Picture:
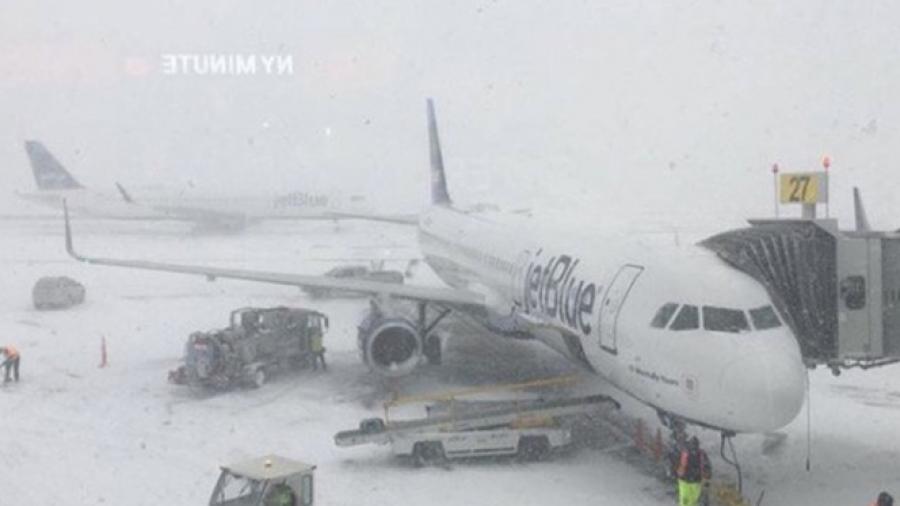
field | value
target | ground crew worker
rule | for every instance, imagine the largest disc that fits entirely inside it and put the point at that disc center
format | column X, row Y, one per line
column 693, row 470
column 677, row 444
column 11, row 362
column 318, row 350
column 884, row 499
column 281, row 495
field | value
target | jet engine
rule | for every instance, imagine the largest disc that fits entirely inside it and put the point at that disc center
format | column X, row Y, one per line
column 390, row 346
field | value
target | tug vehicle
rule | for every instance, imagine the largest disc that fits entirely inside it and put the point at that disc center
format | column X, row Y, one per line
column 257, row 343
column 264, row 481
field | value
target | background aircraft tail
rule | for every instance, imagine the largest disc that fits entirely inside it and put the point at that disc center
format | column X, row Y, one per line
column 49, row 174
column 439, row 194
column 862, row 221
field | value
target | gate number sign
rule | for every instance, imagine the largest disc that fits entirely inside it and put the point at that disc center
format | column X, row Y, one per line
column 803, row 188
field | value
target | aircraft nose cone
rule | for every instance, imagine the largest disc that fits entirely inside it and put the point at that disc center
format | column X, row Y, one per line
column 770, row 389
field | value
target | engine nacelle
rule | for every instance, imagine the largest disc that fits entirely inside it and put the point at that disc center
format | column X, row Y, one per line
column 391, row 346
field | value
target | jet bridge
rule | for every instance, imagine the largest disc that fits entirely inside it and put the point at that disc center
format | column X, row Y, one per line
column 838, row 290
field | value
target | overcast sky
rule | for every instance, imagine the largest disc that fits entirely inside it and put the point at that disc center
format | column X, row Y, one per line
column 611, row 107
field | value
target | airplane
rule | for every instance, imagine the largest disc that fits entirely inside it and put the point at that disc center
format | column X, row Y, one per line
column 675, row 328
column 55, row 183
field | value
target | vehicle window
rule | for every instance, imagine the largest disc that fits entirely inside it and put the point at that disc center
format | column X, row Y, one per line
column 688, row 319
column 664, row 315
column 307, row 491
column 764, row 318
column 722, row 319
column 237, row 489
column 270, row 320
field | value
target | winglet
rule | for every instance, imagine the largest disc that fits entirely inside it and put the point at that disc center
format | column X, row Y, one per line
column 69, row 248
column 124, row 193
column 439, row 194
column 862, row 222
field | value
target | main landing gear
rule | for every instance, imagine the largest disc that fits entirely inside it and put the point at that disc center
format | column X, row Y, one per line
column 431, row 345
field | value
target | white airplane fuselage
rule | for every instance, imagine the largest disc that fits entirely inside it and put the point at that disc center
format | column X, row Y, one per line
column 159, row 206
column 593, row 300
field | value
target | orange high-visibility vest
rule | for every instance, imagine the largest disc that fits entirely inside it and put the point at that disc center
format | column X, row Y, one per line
column 10, row 352
column 682, row 464
column 686, row 471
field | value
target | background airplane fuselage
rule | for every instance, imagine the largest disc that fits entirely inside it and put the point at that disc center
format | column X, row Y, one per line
column 175, row 206
column 593, row 300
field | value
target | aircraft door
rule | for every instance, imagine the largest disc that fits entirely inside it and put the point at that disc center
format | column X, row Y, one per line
column 612, row 303
column 517, row 285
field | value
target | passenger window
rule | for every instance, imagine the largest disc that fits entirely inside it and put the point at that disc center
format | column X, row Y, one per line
column 664, row 315
column 722, row 319
column 688, row 319
column 764, row 318
column 853, row 291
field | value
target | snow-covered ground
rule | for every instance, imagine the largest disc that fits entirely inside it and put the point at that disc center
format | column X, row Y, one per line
column 73, row 433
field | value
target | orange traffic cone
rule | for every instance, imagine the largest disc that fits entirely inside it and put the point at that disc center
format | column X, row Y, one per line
column 103, row 359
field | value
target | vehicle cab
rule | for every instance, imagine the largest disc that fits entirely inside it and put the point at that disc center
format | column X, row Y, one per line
column 264, row 481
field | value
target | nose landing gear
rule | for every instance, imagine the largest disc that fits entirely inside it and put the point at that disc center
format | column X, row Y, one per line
column 679, row 438
column 727, row 438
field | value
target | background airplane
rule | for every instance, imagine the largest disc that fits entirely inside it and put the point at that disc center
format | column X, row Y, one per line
column 54, row 183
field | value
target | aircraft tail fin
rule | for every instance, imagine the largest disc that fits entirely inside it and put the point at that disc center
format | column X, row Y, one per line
column 49, row 174
column 862, row 221
column 439, row 194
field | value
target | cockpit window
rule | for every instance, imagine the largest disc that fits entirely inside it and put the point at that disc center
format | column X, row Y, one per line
column 722, row 319
column 688, row 319
column 764, row 318
column 664, row 315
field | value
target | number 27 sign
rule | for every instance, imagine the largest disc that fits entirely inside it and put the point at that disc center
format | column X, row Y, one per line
column 803, row 188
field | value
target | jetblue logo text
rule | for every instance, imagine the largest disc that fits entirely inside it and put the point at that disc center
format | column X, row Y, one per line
column 301, row 199
column 554, row 290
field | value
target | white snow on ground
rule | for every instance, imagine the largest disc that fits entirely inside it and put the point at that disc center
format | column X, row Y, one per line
column 73, row 433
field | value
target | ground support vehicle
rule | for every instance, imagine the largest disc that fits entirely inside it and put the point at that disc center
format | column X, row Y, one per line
column 257, row 343
column 527, row 429
column 357, row 273
column 264, row 481
column 534, row 443
column 57, row 292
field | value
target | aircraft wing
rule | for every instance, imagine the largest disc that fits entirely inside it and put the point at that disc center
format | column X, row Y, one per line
column 399, row 219
column 410, row 292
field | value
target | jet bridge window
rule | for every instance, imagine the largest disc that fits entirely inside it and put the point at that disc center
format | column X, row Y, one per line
column 664, row 315
column 853, row 291
column 722, row 319
column 688, row 319
column 764, row 318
